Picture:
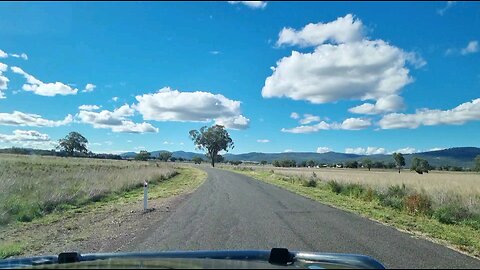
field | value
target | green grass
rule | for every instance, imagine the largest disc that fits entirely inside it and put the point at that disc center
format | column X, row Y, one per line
column 461, row 236
column 186, row 180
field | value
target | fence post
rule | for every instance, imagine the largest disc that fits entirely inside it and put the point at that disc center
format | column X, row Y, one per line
column 145, row 195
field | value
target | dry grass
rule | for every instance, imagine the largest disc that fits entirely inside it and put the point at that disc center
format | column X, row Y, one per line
column 32, row 186
column 441, row 186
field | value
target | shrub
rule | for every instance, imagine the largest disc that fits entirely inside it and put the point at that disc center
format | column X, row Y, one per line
column 418, row 204
column 355, row 190
column 394, row 197
column 335, row 186
column 452, row 214
column 309, row 183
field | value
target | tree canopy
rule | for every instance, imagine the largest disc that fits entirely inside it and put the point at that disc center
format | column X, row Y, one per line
column 73, row 142
column 399, row 160
column 420, row 165
column 165, row 156
column 143, row 156
column 477, row 163
column 212, row 140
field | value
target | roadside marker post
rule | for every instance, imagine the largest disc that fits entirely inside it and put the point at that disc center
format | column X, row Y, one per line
column 145, row 195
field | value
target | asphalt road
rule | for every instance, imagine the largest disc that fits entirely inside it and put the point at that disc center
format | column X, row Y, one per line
column 232, row 211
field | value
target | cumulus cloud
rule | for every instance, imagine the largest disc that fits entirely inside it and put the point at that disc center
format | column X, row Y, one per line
column 28, row 138
column 344, row 65
column 44, row 89
column 173, row 105
column 3, row 54
column 472, row 47
column 309, row 118
column 89, row 107
column 348, row 124
column 3, row 80
column 115, row 99
column 366, row 151
column 294, row 115
column 342, row 30
column 116, row 120
column 263, row 141
column 34, row 120
column 89, row 88
column 386, row 104
column 468, row 111
column 322, row 150
column 251, row 4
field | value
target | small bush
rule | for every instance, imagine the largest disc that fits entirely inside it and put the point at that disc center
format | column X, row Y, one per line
column 452, row 214
column 394, row 197
column 355, row 190
column 309, row 183
column 335, row 186
column 418, row 204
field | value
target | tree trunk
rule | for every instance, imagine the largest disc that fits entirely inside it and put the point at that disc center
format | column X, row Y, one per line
column 213, row 159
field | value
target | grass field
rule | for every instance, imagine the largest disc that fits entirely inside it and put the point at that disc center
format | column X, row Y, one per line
column 32, row 186
column 383, row 197
column 441, row 186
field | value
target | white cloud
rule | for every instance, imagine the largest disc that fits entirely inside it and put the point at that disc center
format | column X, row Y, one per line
column 24, row 56
column 468, row 111
column 116, row 121
column 115, row 99
column 3, row 80
column 449, row 4
column 251, row 4
column 386, row 104
column 173, row 105
column 3, row 54
column 366, row 151
column 24, row 135
column 344, row 65
column 407, row 150
column 348, row 124
column 435, row 149
column 89, row 87
column 24, row 119
column 361, row 70
column 308, row 118
column 287, row 150
column 167, row 142
column 44, row 89
column 89, row 107
column 294, row 115
column 214, row 52
column 263, row 141
column 235, row 122
column 342, row 30
column 322, row 150
column 472, row 47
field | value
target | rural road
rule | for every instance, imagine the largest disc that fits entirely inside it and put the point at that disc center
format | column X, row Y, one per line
column 232, row 211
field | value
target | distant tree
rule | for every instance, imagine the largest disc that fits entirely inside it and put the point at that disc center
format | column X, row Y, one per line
column 213, row 140
column 311, row 163
column 181, row 159
column 477, row 163
column 379, row 165
column 165, row 156
column 197, row 160
column 173, row 159
column 263, row 162
column 302, row 164
column 399, row 160
column 351, row 164
column 219, row 159
column 367, row 163
column 235, row 162
column 143, row 156
column 73, row 142
column 420, row 165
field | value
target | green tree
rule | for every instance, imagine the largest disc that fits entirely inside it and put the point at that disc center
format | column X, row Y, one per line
column 367, row 163
column 143, row 156
column 212, row 140
column 264, row 162
column 197, row 160
column 165, row 156
column 311, row 163
column 351, row 164
column 420, row 165
column 477, row 163
column 73, row 142
column 173, row 159
column 399, row 160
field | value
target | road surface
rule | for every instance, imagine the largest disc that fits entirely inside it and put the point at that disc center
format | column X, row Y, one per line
column 232, row 211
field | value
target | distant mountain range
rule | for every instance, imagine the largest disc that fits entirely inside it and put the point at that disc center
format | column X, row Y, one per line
column 459, row 156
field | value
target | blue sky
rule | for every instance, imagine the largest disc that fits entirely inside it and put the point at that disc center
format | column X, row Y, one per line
column 362, row 77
